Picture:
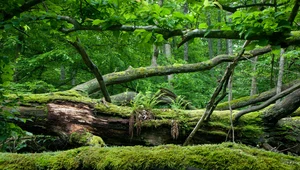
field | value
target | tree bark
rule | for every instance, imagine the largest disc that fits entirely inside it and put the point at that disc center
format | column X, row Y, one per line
column 186, row 45
column 94, row 69
column 168, row 54
column 62, row 73
column 250, row 100
column 268, row 102
column 154, row 56
column 280, row 74
column 65, row 113
column 142, row 72
column 282, row 109
column 254, row 81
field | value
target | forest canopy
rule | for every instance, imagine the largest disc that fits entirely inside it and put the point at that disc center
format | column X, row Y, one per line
column 144, row 72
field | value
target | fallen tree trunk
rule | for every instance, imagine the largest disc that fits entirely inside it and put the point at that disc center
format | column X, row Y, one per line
column 171, row 157
column 283, row 109
column 250, row 100
column 67, row 113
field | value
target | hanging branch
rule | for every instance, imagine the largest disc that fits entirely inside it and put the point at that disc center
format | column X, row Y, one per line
column 92, row 67
column 213, row 102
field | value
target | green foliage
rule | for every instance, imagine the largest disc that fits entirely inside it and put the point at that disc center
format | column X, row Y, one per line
column 7, row 116
column 266, row 21
column 179, row 103
column 35, row 87
column 9, row 130
column 6, row 70
column 145, row 100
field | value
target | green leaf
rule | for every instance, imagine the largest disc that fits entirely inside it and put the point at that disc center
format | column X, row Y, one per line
column 207, row 3
column 251, row 46
column 276, row 50
column 218, row 4
column 98, row 21
column 203, row 26
column 26, row 27
column 147, row 37
column 137, row 32
column 159, row 39
column 116, row 34
column 7, row 26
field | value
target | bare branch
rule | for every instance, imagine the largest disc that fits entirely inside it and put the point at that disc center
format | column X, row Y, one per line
column 92, row 67
column 142, row 72
column 294, row 12
column 218, row 34
column 212, row 103
column 250, row 100
column 267, row 103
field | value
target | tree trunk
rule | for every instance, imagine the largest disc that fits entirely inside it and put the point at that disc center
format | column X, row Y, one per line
column 219, row 50
column 67, row 113
column 73, row 77
column 283, row 108
column 254, row 81
column 280, row 74
column 209, row 40
column 62, row 73
column 154, row 56
column 186, row 45
column 272, row 72
column 168, row 55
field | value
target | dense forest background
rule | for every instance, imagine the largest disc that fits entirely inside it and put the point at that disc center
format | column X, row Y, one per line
column 167, row 54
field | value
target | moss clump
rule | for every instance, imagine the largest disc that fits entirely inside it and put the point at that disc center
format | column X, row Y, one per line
column 85, row 139
column 222, row 156
column 69, row 95
column 114, row 110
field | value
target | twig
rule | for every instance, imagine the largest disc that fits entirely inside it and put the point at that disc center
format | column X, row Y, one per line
column 212, row 104
column 92, row 67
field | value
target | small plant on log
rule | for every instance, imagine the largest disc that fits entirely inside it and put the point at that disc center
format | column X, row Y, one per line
column 179, row 103
column 142, row 105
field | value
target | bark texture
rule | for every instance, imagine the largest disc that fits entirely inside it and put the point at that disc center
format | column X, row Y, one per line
column 65, row 114
column 142, row 72
column 283, row 109
column 250, row 100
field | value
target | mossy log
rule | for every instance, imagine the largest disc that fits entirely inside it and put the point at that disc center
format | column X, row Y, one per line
column 171, row 157
column 252, row 100
column 65, row 113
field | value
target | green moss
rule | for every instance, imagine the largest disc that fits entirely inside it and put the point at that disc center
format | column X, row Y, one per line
column 155, row 123
column 113, row 110
column 224, row 105
column 85, row 139
column 294, row 35
column 296, row 113
column 214, row 132
column 222, row 156
column 69, row 95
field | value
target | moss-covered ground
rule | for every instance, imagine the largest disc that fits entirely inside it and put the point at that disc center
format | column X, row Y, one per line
column 222, row 156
